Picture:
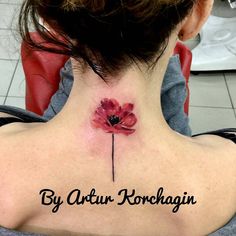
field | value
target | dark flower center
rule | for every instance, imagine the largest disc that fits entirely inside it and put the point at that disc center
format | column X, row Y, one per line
column 114, row 120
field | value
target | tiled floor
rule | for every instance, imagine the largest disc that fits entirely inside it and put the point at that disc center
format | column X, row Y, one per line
column 213, row 95
column 212, row 101
column 12, row 84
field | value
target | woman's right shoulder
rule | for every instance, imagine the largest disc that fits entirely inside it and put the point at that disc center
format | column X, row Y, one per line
column 215, row 141
column 220, row 149
column 222, row 157
column 217, row 164
column 220, row 154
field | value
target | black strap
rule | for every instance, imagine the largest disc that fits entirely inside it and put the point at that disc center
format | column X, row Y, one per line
column 26, row 116
column 229, row 133
column 19, row 115
column 8, row 120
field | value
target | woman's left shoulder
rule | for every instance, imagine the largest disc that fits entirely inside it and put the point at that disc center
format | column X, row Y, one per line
column 13, row 201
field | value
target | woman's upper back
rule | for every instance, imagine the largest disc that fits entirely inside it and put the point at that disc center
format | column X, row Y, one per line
column 49, row 162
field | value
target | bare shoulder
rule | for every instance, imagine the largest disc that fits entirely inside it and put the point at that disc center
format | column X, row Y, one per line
column 216, row 172
column 4, row 128
column 220, row 159
column 12, row 207
column 223, row 162
column 6, row 203
column 213, row 140
column 222, row 189
column 222, row 148
column 222, row 153
column 14, row 127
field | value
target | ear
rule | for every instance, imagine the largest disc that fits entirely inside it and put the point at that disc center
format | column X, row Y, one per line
column 193, row 23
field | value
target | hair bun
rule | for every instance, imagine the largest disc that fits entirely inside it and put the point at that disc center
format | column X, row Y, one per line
column 70, row 5
column 113, row 34
column 74, row 5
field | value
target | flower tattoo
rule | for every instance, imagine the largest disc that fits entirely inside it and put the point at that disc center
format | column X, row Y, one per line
column 114, row 119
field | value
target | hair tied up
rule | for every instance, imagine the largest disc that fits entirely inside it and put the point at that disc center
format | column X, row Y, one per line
column 91, row 5
column 71, row 5
column 107, row 35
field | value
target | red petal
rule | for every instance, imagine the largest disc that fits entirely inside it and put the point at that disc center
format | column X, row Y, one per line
column 126, row 131
column 110, row 129
column 99, row 120
column 123, row 114
column 100, row 112
column 128, row 107
column 100, row 124
column 126, row 110
column 119, row 129
column 111, row 107
column 129, row 120
column 109, row 104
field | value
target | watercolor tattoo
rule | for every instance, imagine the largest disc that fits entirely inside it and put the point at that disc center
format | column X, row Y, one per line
column 114, row 119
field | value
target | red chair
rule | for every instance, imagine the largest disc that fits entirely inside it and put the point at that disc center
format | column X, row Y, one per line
column 185, row 56
column 42, row 73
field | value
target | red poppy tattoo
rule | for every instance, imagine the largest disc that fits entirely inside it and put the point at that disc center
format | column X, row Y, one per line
column 114, row 119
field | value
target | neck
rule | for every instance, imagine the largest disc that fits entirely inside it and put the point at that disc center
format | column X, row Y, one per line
column 134, row 86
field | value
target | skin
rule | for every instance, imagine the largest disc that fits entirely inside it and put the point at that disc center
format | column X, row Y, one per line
column 67, row 153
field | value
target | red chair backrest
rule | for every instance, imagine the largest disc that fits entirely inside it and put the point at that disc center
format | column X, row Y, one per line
column 42, row 74
column 185, row 56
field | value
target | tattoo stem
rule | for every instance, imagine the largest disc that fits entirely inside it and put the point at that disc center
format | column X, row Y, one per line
column 113, row 161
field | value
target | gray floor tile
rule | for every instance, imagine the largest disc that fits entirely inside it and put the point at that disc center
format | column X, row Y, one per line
column 2, row 99
column 207, row 119
column 17, row 88
column 209, row 90
column 7, row 69
column 16, row 102
column 9, row 14
column 9, row 45
column 231, row 81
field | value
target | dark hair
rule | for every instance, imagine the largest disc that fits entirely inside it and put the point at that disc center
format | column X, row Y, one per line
column 105, row 34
